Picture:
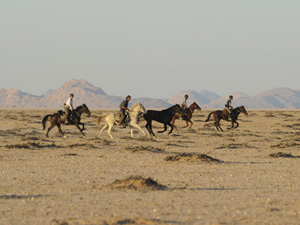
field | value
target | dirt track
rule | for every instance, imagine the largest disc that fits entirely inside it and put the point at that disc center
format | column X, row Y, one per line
column 254, row 178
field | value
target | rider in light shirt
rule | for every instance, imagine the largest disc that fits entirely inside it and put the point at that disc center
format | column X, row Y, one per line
column 69, row 107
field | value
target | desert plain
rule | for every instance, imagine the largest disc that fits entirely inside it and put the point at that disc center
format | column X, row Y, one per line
column 248, row 175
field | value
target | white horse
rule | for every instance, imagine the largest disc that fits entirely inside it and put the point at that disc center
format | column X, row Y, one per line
column 133, row 115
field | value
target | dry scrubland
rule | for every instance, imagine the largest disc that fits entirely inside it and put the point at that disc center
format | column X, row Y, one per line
column 248, row 175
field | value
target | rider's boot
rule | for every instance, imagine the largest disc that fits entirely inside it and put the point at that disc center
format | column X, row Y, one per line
column 68, row 120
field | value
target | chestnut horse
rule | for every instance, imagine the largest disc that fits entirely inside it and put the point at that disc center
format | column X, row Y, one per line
column 58, row 118
column 223, row 115
column 187, row 115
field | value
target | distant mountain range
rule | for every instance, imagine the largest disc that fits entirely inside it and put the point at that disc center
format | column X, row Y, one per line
column 95, row 97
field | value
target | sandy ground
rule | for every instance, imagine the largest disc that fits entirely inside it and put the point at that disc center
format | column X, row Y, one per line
column 91, row 180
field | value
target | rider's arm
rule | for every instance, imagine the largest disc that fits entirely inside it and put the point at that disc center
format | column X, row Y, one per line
column 71, row 104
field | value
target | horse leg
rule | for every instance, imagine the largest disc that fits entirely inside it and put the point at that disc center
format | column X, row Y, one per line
column 103, row 128
column 149, row 128
column 173, row 123
column 138, row 127
column 171, row 128
column 48, row 131
column 191, row 124
column 237, row 124
column 59, row 129
column 187, row 124
column 109, row 129
column 82, row 126
column 131, row 130
column 77, row 125
column 217, row 124
column 221, row 128
column 165, row 126
column 50, row 128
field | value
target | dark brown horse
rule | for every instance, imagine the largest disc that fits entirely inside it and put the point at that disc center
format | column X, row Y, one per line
column 58, row 118
column 187, row 115
column 165, row 116
column 223, row 115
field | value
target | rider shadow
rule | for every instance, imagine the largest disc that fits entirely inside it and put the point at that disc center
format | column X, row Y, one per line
column 217, row 189
column 247, row 163
column 203, row 189
column 22, row 196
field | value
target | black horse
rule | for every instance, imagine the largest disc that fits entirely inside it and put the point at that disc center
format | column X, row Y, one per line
column 223, row 114
column 58, row 118
column 165, row 116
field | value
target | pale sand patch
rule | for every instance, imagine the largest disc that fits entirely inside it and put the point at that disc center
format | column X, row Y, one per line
column 60, row 181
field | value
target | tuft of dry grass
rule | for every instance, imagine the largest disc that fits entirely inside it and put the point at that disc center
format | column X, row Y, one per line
column 191, row 157
column 284, row 144
column 137, row 183
column 281, row 155
column 143, row 148
column 30, row 145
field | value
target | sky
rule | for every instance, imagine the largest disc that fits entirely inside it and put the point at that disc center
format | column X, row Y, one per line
column 150, row 48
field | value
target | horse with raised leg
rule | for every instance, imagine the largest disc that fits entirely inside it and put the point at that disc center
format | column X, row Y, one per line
column 187, row 115
column 111, row 119
column 224, row 115
column 165, row 116
column 58, row 118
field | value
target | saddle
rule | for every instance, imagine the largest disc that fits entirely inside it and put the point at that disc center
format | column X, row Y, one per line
column 227, row 110
column 63, row 117
column 118, row 117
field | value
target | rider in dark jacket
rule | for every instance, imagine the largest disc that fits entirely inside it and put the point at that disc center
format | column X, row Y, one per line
column 123, row 109
column 228, row 106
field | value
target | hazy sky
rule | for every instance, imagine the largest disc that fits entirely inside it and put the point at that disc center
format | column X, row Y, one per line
column 150, row 48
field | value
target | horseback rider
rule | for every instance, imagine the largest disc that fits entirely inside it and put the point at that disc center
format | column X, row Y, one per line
column 228, row 106
column 68, row 107
column 184, row 105
column 123, row 109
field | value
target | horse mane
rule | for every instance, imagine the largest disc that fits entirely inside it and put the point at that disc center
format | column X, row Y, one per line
column 237, row 107
column 80, row 106
column 134, row 106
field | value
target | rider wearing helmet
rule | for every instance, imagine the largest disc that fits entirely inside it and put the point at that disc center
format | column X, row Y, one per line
column 123, row 109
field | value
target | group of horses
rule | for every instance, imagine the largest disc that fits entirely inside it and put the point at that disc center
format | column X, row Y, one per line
column 166, row 117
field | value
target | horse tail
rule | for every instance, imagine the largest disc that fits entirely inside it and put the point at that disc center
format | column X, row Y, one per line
column 208, row 117
column 100, row 117
column 45, row 120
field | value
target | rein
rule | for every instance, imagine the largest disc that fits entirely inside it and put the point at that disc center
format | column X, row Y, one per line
column 238, row 109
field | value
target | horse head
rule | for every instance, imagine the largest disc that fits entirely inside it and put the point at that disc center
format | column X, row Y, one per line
column 138, row 108
column 243, row 110
column 83, row 109
column 195, row 106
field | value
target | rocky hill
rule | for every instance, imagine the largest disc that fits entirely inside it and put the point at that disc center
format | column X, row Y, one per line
column 95, row 97
column 84, row 92
column 274, row 98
